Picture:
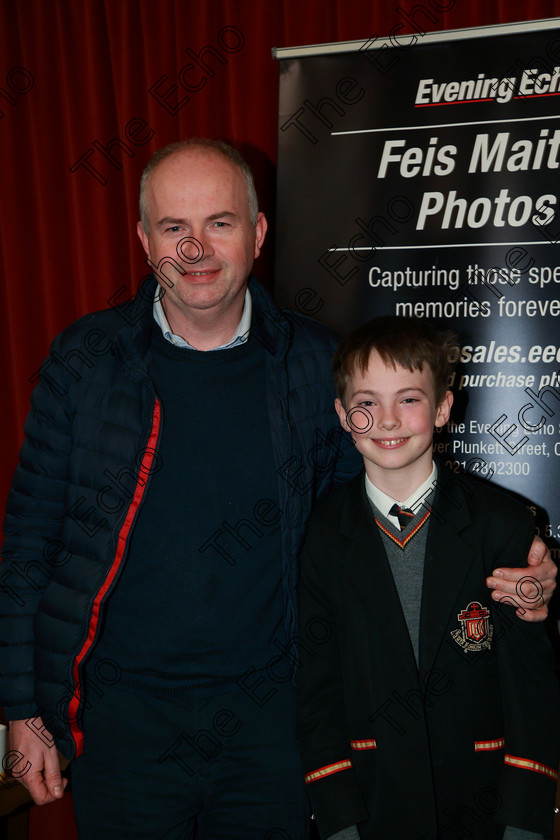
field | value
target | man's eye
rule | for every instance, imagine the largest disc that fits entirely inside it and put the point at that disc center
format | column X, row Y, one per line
column 173, row 229
column 221, row 224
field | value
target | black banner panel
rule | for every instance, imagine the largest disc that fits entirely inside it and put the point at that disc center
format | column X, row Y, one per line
column 422, row 177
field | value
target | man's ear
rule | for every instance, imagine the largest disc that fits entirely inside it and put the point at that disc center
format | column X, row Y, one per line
column 143, row 237
column 260, row 232
column 341, row 411
column 444, row 409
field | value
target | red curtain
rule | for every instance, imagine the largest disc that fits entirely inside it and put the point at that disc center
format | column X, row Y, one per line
column 90, row 88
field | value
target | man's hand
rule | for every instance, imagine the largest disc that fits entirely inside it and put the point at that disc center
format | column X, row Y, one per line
column 529, row 588
column 38, row 769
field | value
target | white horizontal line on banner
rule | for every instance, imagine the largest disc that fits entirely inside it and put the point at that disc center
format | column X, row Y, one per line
column 448, row 35
column 453, row 245
column 442, row 125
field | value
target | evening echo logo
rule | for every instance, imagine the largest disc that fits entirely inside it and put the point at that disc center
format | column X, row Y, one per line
column 486, row 89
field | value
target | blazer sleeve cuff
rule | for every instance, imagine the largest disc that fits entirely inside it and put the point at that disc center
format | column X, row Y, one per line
column 336, row 797
column 527, row 793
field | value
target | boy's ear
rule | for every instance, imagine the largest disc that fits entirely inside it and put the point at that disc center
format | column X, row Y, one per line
column 444, row 409
column 341, row 411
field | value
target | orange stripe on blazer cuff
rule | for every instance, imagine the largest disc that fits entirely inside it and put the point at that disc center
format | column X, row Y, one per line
column 527, row 764
column 364, row 745
column 328, row 770
column 483, row 746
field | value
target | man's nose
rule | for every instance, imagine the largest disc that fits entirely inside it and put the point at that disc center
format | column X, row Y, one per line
column 192, row 249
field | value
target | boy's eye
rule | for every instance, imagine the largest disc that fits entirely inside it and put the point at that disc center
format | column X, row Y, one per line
column 410, row 400
column 366, row 403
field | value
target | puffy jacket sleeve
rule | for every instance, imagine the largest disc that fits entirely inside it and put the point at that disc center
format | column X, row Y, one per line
column 32, row 546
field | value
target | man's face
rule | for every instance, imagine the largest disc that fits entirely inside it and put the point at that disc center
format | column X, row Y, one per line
column 198, row 216
column 391, row 414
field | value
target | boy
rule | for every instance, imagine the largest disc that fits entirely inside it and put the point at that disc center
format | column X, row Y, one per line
column 416, row 689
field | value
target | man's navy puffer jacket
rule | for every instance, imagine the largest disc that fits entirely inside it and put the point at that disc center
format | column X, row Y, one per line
column 91, row 445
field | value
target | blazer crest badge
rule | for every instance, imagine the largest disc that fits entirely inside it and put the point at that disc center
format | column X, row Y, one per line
column 475, row 631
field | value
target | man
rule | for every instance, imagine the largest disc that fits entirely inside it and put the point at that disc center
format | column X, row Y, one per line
column 173, row 452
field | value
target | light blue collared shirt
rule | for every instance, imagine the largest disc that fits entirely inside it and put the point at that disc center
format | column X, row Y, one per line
column 240, row 336
column 384, row 503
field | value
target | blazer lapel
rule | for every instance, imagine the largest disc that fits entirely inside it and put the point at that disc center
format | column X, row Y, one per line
column 367, row 568
column 449, row 556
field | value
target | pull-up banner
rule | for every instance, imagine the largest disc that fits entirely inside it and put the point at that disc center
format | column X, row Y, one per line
column 420, row 175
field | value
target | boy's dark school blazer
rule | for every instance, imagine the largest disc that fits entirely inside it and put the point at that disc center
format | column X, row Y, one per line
column 460, row 746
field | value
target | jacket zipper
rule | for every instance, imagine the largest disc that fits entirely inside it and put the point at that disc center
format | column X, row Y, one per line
column 122, row 540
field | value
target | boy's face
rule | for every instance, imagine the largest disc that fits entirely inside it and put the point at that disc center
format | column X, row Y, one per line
column 391, row 414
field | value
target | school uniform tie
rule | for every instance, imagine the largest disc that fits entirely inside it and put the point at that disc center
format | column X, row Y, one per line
column 404, row 515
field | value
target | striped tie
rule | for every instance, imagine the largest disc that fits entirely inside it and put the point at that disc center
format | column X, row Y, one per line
column 404, row 515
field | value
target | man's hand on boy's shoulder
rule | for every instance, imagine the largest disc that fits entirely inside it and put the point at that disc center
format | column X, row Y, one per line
column 528, row 588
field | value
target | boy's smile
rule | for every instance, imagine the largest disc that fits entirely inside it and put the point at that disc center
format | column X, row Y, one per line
column 390, row 444
column 391, row 413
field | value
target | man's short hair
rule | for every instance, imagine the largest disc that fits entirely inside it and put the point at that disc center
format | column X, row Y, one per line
column 218, row 147
column 408, row 342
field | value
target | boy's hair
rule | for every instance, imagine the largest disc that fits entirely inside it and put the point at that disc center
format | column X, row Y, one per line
column 408, row 342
